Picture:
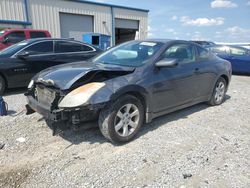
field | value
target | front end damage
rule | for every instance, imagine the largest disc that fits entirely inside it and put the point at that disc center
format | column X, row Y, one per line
column 70, row 107
column 60, row 117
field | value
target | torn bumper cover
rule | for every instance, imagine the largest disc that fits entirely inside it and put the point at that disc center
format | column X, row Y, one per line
column 70, row 115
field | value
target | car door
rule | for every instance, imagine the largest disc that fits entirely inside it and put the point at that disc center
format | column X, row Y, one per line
column 71, row 51
column 31, row 60
column 175, row 86
column 241, row 63
column 204, row 73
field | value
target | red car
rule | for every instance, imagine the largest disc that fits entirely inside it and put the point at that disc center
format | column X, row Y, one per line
column 9, row 37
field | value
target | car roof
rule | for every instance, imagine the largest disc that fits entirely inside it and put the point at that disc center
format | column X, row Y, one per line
column 49, row 39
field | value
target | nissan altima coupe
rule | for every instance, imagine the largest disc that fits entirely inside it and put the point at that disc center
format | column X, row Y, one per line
column 129, row 85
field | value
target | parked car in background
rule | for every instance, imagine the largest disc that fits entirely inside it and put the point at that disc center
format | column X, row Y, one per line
column 238, row 56
column 20, row 62
column 240, row 44
column 9, row 37
column 204, row 43
column 128, row 85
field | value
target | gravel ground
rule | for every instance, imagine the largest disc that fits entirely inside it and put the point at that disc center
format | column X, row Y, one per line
column 200, row 146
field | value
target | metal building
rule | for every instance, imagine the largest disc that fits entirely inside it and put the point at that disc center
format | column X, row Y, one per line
column 72, row 18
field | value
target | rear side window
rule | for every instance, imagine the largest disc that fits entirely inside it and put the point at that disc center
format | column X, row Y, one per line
column 37, row 34
column 16, row 36
column 86, row 48
column 40, row 48
column 183, row 52
column 64, row 46
column 238, row 51
column 203, row 54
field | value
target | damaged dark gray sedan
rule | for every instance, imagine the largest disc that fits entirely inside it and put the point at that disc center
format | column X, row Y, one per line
column 129, row 85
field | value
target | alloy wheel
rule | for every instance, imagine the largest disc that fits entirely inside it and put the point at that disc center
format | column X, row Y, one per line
column 219, row 92
column 127, row 120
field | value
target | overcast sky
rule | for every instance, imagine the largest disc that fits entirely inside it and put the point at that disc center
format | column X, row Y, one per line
column 215, row 20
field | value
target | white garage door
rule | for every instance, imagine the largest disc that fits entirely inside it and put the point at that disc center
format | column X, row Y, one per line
column 74, row 25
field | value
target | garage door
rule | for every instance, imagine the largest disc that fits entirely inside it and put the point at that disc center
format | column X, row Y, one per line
column 125, row 30
column 74, row 25
column 126, row 24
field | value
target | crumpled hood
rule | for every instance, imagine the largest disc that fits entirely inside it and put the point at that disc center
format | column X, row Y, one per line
column 64, row 76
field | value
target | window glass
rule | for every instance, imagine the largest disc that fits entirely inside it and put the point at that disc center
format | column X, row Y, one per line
column 131, row 54
column 64, row 46
column 183, row 52
column 202, row 53
column 40, row 48
column 11, row 50
column 238, row 51
column 15, row 37
column 221, row 49
column 37, row 34
column 86, row 48
column 2, row 33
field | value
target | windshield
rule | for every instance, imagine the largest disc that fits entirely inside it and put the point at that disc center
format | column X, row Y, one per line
column 14, row 48
column 131, row 54
column 1, row 33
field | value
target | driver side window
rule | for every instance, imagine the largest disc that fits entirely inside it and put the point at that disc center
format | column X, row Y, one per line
column 182, row 52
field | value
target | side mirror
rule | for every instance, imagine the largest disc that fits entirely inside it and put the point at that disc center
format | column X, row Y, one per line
column 23, row 55
column 167, row 63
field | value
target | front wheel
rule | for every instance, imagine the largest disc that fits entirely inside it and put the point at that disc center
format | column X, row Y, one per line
column 120, row 121
column 219, row 92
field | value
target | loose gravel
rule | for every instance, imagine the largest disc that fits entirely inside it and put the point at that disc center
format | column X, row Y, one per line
column 200, row 146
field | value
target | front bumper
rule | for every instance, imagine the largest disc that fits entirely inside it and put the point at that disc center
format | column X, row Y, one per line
column 70, row 115
column 54, row 115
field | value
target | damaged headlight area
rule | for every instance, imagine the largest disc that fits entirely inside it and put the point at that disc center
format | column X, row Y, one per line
column 81, row 95
column 62, row 107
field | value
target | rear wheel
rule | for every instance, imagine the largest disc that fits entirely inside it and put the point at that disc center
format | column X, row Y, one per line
column 2, row 85
column 219, row 92
column 121, row 120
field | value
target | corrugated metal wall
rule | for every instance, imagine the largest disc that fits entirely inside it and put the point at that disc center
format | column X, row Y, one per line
column 12, row 10
column 44, row 14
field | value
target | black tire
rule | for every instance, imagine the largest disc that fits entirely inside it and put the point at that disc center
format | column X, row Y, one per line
column 109, row 114
column 213, row 101
column 2, row 85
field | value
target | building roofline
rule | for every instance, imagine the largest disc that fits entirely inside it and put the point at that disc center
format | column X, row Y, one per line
column 110, row 5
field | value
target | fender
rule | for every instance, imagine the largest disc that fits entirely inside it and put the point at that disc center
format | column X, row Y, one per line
column 139, row 92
